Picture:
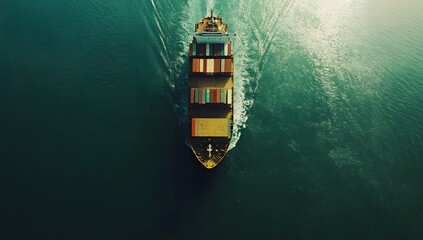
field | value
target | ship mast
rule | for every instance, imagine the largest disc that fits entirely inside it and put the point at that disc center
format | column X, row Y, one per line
column 212, row 26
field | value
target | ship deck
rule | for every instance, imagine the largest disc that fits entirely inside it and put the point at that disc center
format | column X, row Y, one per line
column 199, row 147
column 210, row 113
column 216, row 82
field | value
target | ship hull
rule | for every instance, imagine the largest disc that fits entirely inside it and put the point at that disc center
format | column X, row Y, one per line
column 211, row 91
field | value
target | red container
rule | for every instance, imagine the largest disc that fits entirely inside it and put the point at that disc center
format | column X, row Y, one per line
column 228, row 65
column 216, row 95
column 217, row 100
column 195, row 65
column 192, row 95
column 217, row 65
column 200, row 96
column 193, row 127
column 204, row 65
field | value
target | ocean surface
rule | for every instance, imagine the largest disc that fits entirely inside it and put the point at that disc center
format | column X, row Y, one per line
column 329, row 121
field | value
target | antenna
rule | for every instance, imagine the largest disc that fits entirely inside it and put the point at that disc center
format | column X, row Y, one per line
column 211, row 14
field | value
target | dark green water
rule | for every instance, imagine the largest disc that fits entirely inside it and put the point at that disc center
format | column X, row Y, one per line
column 329, row 139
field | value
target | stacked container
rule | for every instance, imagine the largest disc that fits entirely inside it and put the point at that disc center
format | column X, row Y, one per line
column 211, row 66
column 211, row 95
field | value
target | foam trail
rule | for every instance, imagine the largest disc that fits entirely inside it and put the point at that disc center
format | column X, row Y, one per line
column 251, row 48
column 192, row 14
column 210, row 5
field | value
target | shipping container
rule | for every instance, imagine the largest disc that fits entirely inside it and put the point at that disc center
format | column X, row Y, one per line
column 204, row 96
column 228, row 65
column 195, row 65
column 215, row 95
column 201, row 49
column 229, row 101
column 225, row 51
column 217, row 65
column 207, row 49
column 192, row 95
column 210, row 127
column 201, row 65
column 193, row 127
column 196, row 95
column 218, row 95
column 207, row 95
column 211, row 97
column 210, row 65
column 193, row 49
column 217, row 49
column 200, row 96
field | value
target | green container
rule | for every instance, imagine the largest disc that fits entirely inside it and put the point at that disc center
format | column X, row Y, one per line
column 207, row 95
column 196, row 95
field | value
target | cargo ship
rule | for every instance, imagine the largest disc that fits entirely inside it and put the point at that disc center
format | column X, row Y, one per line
column 211, row 90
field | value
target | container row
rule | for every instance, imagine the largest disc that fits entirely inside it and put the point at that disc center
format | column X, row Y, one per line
column 213, row 95
column 210, row 49
column 211, row 66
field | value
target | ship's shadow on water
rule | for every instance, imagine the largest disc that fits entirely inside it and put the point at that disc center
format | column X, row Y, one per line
column 188, row 181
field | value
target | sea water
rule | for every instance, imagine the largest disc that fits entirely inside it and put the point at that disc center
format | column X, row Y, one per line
column 328, row 121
